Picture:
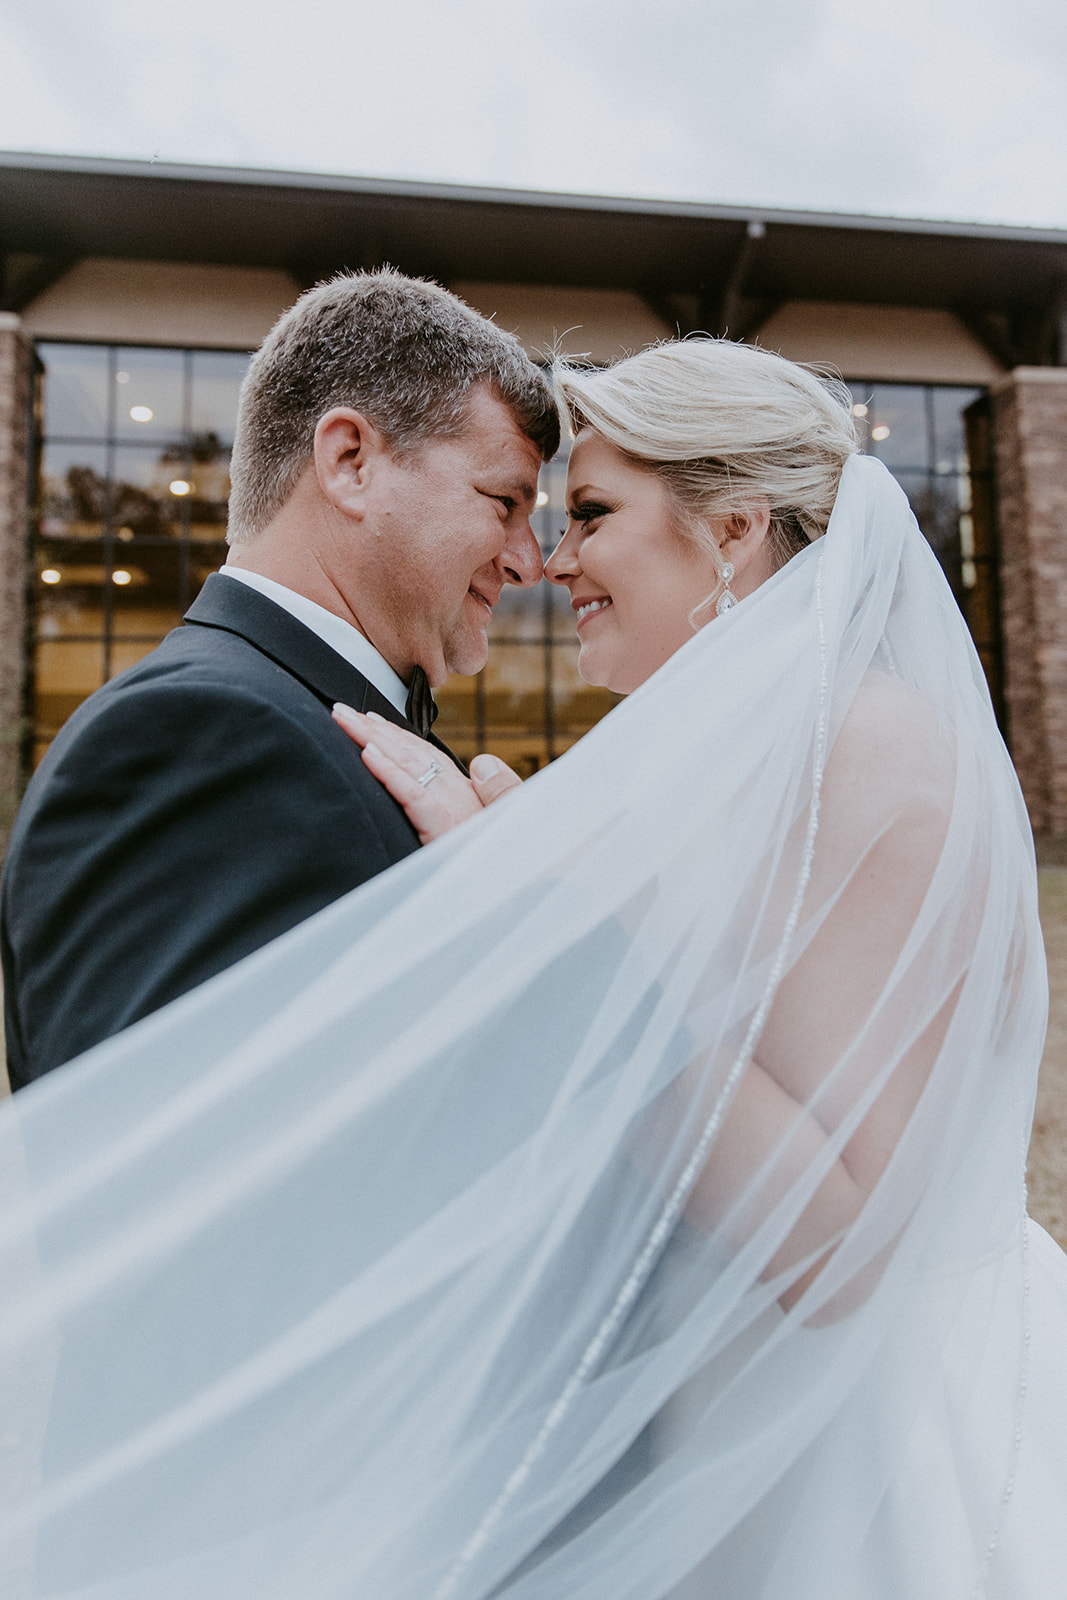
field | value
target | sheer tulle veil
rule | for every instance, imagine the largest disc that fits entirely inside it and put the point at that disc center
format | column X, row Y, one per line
column 375, row 1268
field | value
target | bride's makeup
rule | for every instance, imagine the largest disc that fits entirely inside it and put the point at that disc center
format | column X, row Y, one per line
column 634, row 580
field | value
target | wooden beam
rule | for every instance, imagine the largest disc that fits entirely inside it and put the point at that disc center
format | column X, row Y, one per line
column 994, row 332
column 727, row 313
column 680, row 312
column 25, row 276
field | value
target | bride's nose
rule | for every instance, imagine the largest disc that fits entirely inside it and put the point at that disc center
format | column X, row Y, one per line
column 562, row 564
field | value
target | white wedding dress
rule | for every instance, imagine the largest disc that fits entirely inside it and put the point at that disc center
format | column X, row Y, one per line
column 384, row 1266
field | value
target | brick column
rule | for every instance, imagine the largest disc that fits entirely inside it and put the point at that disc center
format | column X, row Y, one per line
column 16, row 374
column 1030, row 449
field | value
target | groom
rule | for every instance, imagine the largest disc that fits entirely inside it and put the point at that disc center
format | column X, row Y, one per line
column 384, row 470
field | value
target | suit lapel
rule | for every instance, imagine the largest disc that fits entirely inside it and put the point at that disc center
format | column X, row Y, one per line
column 237, row 608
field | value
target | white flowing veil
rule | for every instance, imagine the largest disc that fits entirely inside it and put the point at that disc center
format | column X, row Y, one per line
column 416, row 1258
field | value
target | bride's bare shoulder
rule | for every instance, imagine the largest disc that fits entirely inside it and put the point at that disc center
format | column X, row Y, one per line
column 894, row 740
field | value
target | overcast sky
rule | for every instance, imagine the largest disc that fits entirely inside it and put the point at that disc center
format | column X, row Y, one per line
column 933, row 108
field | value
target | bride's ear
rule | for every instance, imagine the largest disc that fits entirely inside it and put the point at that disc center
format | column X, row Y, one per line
column 745, row 543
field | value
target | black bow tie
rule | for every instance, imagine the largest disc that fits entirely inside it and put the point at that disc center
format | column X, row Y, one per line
column 420, row 709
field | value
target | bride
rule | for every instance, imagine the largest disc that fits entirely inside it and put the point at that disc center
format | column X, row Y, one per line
column 622, row 1198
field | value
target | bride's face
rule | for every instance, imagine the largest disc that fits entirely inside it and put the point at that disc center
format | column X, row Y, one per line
column 633, row 578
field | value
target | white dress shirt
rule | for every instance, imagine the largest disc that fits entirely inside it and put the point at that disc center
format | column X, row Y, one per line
column 332, row 630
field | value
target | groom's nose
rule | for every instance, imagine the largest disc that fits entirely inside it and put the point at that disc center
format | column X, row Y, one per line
column 521, row 556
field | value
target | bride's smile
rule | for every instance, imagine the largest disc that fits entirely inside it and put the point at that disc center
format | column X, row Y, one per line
column 634, row 577
column 589, row 608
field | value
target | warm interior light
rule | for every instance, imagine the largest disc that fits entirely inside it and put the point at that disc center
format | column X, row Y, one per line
column 542, row 497
column 142, row 413
column 125, row 534
column 881, row 432
column 180, row 487
column 121, row 577
column 50, row 575
column 859, row 409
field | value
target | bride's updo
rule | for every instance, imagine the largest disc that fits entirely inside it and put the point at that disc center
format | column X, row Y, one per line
column 723, row 425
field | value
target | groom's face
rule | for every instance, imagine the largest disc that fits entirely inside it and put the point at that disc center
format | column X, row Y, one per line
column 452, row 527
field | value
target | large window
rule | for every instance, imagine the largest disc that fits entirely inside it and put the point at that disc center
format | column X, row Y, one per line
column 920, row 432
column 134, row 481
column 134, row 475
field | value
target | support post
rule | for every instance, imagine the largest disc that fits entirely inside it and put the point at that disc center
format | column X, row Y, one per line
column 1030, row 451
column 16, row 380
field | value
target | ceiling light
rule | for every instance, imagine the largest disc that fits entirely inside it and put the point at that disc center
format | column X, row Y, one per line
column 859, row 410
column 179, row 487
column 542, row 497
column 881, row 432
column 142, row 413
column 121, row 577
column 122, row 377
column 51, row 575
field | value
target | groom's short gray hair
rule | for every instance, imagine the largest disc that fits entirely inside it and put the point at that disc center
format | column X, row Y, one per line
column 405, row 353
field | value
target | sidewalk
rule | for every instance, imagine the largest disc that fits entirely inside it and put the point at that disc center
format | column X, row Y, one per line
column 1047, row 1173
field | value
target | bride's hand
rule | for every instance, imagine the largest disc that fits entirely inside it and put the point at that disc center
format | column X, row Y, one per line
column 432, row 790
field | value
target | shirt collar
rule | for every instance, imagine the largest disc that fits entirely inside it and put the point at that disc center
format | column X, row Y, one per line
column 340, row 635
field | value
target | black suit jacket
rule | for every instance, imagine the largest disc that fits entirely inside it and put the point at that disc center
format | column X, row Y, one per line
column 190, row 811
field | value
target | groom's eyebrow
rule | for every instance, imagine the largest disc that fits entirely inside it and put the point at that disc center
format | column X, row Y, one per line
column 525, row 490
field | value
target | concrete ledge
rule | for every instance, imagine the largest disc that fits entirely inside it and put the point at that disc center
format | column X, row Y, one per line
column 1028, row 375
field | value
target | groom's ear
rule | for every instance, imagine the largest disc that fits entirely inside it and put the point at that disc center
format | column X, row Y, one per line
column 348, row 452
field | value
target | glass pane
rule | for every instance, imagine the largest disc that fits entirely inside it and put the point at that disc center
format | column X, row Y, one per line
column 75, row 389
column 149, row 488
column 943, row 516
column 457, row 714
column 524, row 753
column 216, row 380
column 917, row 487
column 934, row 502
column 67, row 672
column 950, row 448
column 69, row 593
column 74, row 493
column 126, row 653
column 550, row 518
column 149, row 394
column 204, row 559
column 149, row 587
column 897, row 425
column 514, row 687
column 577, row 705
column 66, row 610
column 208, row 475
column 519, row 614
column 979, row 606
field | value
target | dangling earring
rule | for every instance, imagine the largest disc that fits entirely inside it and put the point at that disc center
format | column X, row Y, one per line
column 726, row 599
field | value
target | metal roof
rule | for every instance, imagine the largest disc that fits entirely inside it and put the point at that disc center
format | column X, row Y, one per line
column 699, row 264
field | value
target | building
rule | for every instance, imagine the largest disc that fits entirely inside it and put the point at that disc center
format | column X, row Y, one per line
column 131, row 293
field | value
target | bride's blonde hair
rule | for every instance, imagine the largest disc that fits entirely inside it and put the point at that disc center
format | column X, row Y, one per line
column 724, row 426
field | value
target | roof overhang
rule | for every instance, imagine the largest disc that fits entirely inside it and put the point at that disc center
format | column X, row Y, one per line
column 1010, row 284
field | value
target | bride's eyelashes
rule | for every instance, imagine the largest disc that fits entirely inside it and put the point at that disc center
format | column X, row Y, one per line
column 587, row 511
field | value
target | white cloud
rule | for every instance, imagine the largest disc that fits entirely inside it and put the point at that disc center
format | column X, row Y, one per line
column 949, row 108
